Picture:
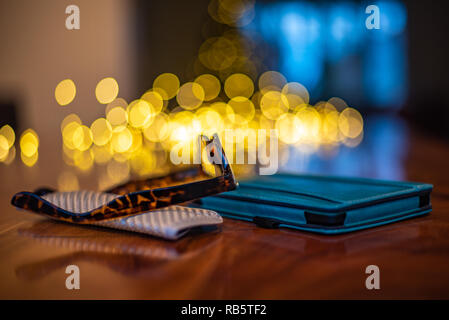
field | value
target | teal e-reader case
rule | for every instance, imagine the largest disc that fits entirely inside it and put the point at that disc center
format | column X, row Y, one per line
column 321, row 204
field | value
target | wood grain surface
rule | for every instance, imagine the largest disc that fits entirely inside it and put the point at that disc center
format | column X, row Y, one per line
column 236, row 261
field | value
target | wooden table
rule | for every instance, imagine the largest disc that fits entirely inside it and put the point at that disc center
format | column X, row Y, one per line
column 237, row 261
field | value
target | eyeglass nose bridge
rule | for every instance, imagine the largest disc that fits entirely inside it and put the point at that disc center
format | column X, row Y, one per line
column 216, row 154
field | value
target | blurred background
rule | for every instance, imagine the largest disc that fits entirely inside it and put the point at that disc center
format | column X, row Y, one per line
column 95, row 106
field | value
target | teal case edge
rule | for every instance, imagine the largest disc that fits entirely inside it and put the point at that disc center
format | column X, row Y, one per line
column 359, row 214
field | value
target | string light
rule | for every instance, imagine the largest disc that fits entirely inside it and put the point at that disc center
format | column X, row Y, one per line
column 65, row 92
column 136, row 138
column 106, row 90
column 167, row 85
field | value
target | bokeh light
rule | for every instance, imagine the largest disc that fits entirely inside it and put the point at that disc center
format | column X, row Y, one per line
column 29, row 161
column 65, row 92
column 29, row 143
column 9, row 158
column 117, row 117
column 217, row 53
column 210, row 84
column 159, row 130
column 190, row 96
column 122, row 140
column 137, row 138
column 68, row 119
column 8, row 132
column 140, row 113
column 311, row 123
column 68, row 132
column 210, row 121
column 296, row 94
column 83, row 160
column 350, row 123
column 167, row 85
column 239, row 84
column 271, row 81
column 242, row 110
column 82, row 138
column 4, row 148
column 274, row 104
column 289, row 128
column 235, row 13
column 101, row 131
column 102, row 154
column 155, row 99
column 338, row 103
column 106, row 90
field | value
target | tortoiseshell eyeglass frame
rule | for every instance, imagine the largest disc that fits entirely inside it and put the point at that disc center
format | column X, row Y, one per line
column 143, row 195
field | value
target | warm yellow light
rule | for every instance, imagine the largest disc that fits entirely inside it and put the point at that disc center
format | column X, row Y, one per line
column 67, row 155
column 117, row 102
column 224, row 110
column 311, row 122
column 82, row 138
column 239, row 84
column 210, row 121
column 83, row 160
column 338, row 103
column 117, row 117
column 217, row 53
column 10, row 156
column 329, row 127
column 273, row 104
column 67, row 181
column 122, row 140
column 122, row 157
column 9, row 134
column 137, row 141
column 350, row 123
column 155, row 99
column 140, row 113
column 4, row 148
column 102, row 154
column 324, row 107
column 143, row 162
column 289, row 128
column 29, row 161
column 168, row 83
column 296, row 94
column 67, row 134
column 257, row 96
column 210, row 84
column 68, row 119
column 266, row 123
column 29, row 143
column 65, row 92
column 101, row 131
column 243, row 110
column 106, row 90
column 236, row 13
column 184, row 126
column 159, row 130
column 190, row 95
column 271, row 81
